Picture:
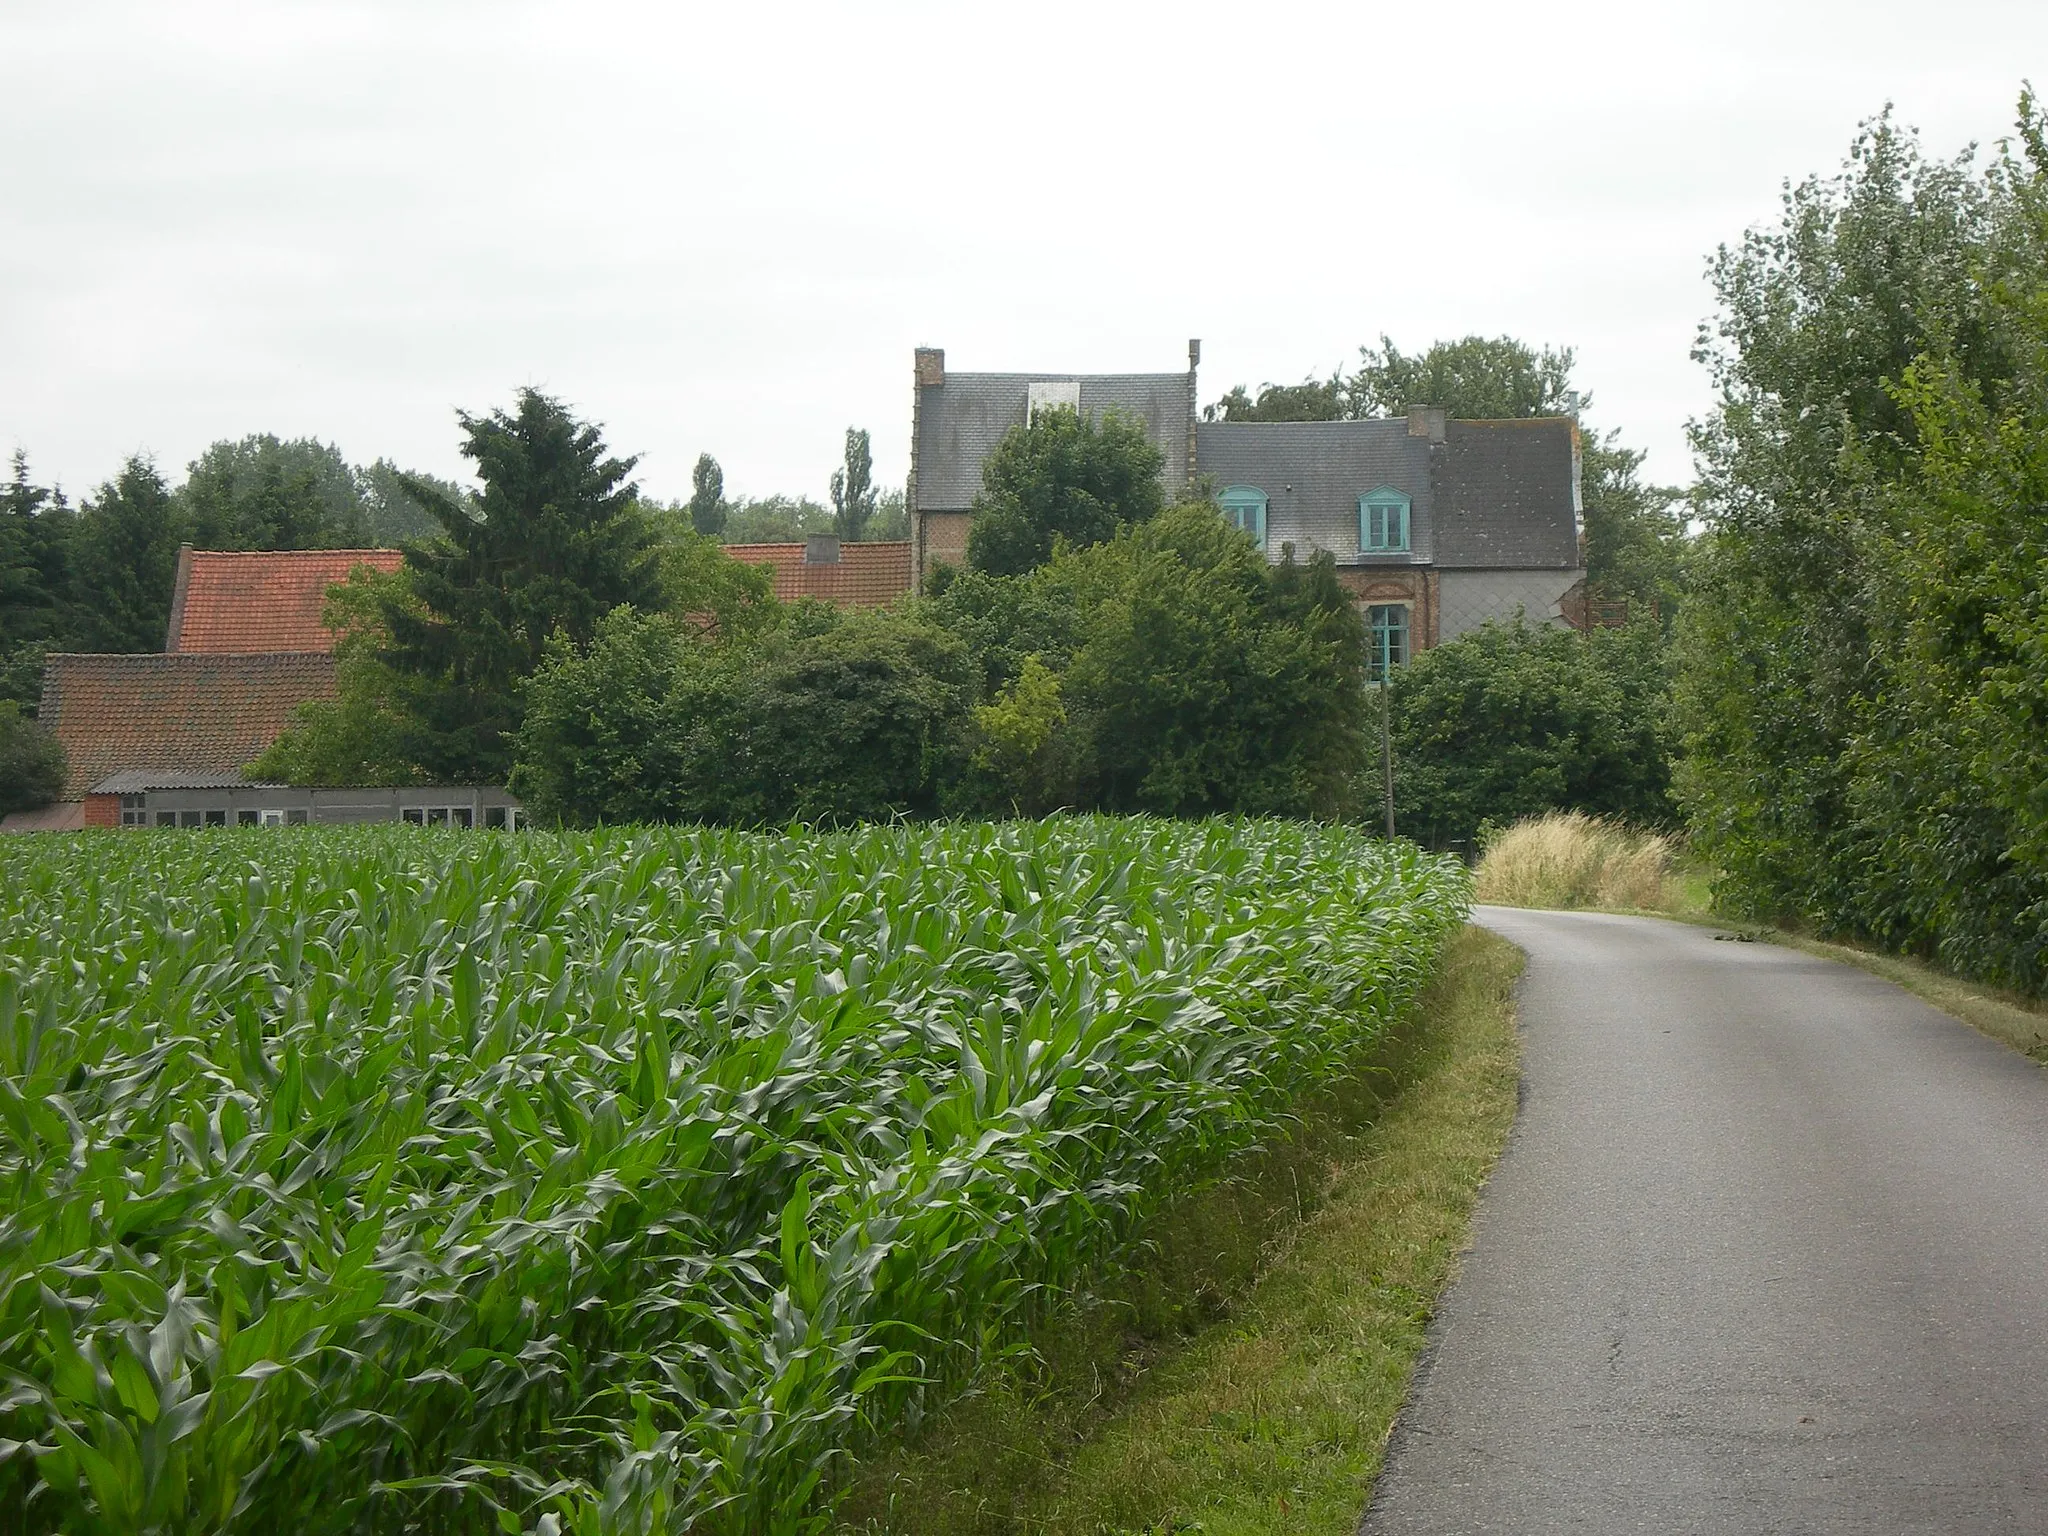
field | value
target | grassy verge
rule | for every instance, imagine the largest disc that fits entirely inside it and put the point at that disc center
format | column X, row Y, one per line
column 1245, row 1380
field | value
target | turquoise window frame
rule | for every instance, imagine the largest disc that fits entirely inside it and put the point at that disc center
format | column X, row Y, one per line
column 1386, row 639
column 1245, row 506
column 1383, row 518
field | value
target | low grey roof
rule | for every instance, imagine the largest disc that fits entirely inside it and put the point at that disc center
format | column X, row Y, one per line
column 1313, row 473
column 136, row 781
column 1507, row 495
column 960, row 422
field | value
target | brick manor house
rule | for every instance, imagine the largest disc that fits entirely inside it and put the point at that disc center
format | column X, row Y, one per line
column 1436, row 526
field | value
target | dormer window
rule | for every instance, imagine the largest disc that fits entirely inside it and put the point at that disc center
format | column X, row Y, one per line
column 1383, row 521
column 1245, row 506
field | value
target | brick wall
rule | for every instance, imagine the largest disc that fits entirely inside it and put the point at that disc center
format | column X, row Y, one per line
column 1418, row 588
column 945, row 538
column 103, row 810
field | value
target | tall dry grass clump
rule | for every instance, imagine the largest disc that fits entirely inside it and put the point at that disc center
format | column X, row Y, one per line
column 1570, row 859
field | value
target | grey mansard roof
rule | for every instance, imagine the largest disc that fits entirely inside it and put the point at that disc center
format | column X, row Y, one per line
column 961, row 421
column 1493, row 495
column 1313, row 473
column 1508, row 495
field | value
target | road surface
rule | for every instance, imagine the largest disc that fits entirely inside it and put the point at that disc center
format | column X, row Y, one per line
column 1768, row 1252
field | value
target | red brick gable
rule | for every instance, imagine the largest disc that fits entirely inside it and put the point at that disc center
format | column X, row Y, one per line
column 189, row 712
column 866, row 575
column 241, row 602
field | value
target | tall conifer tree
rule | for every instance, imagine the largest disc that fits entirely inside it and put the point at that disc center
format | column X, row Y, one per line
column 125, row 561
column 555, row 542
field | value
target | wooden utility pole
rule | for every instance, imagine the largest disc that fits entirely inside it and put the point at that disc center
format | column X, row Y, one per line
column 1387, row 743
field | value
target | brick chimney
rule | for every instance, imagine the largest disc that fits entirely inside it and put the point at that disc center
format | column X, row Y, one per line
column 1194, row 407
column 931, row 367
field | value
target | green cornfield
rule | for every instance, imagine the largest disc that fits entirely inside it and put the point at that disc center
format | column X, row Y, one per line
column 381, row 1180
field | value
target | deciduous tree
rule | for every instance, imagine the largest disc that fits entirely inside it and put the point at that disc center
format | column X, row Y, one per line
column 1062, row 476
column 1475, row 378
column 853, row 488
column 707, row 497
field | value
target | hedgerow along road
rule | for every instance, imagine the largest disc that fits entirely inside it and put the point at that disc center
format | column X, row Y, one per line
column 1767, row 1252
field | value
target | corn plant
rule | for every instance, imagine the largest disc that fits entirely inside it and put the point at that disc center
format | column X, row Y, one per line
column 365, row 1180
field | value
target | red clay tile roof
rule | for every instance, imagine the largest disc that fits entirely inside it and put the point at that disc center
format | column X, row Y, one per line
column 260, row 600
column 191, row 711
column 867, row 575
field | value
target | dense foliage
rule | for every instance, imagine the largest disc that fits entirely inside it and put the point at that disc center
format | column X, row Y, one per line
column 363, row 1182
column 1511, row 721
column 31, row 762
column 98, row 577
column 823, row 717
column 555, row 542
column 432, row 676
column 1475, row 378
column 1168, row 669
column 1062, row 476
column 1863, row 688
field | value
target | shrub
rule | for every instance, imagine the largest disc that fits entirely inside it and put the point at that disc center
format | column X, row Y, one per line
column 1210, row 681
column 830, row 717
column 1167, row 670
column 1514, row 720
column 1567, row 859
column 31, row 761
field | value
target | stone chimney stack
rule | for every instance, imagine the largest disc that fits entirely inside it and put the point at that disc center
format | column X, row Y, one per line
column 928, row 371
column 1426, row 421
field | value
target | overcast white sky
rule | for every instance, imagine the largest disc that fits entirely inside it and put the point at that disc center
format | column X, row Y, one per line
column 724, row 227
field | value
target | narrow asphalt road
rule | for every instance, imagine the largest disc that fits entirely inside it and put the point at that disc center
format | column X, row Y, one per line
column 1768, row 1252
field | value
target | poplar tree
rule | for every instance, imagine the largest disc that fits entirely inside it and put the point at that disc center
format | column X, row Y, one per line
column 853, row 488
column 707, row 497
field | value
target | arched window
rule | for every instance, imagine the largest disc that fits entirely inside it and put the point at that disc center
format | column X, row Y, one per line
column 1383, row 521
column 1245, row 505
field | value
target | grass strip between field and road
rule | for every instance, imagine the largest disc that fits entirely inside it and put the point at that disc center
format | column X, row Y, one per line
column 1245, row 1378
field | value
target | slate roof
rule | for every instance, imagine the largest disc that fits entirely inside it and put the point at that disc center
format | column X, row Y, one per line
column 866, row 575
column 1313, row 473
column 190, row 712
column 1507, row 495
column 263, row 600
column 960, row 422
